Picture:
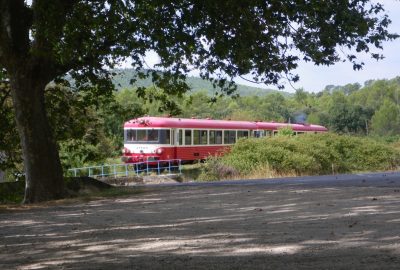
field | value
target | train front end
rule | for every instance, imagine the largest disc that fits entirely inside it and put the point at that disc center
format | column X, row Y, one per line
column 146, row 143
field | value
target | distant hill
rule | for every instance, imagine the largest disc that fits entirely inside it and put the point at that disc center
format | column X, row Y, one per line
column 122, row 80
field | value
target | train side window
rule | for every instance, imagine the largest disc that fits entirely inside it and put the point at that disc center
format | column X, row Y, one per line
column 212, row 136
column 199, row 137
column 196, row 137
column 130, row 135
column 229, row 136
column 275, row 132
column 259, row 133
column 232, row 136
column 152, row 135
column 218, row 137
column 243, row 134
column 188, row 137
column 203, row 136
column 165, row 135
column 215, row 136
column 267, row 133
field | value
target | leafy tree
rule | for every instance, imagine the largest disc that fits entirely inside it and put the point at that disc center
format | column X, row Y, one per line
column 74, row 125
column 351, row 88
column 124, row 106
column 69, row 115
column 375, row 93
column 346, row 117
column 243, row 115
column 386, row 120
column 359, row 119
column 245, row 108
column 314, row 118
column 274, row 108
column 301, row 96
column 44, row 41
column 197, row 105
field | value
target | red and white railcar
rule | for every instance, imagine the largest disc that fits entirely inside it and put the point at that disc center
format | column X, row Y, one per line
column 164, row 138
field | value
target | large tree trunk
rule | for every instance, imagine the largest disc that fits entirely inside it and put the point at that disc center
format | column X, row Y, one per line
column 43, row 172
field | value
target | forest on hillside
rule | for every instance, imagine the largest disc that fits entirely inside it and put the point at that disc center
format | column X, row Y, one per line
column 372, row 109
column 123, row 80
column 89, row 134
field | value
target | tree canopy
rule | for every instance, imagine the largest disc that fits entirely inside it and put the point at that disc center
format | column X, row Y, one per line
column 48, row 39
column 222, row 39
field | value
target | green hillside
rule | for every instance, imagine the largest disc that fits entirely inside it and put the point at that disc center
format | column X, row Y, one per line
column 123, row 78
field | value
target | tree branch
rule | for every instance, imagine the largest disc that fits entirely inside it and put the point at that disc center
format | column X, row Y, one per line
column 48, row 21
column 49, row 18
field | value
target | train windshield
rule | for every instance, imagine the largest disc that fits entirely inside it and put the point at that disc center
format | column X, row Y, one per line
column 147, row 136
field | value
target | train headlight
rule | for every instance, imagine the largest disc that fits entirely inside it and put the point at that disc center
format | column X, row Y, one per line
column 159, row 151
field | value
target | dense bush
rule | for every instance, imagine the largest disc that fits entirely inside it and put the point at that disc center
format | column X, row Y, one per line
column 308, row 154
column 12, row 192
column 213, row 170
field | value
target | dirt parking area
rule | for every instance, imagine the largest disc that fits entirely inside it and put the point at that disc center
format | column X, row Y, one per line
column 282, row 226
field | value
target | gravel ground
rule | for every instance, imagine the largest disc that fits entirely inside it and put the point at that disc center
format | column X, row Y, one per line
column 258, row 226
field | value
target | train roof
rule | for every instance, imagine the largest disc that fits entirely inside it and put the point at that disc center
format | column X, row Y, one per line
column 169, row 122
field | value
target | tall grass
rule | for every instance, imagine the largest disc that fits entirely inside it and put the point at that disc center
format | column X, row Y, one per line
column 308, row 154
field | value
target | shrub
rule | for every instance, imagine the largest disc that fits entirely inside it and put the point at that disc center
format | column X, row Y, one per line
column 307, row 154
column 285, row 131
column 213, row 169
column 12, row 192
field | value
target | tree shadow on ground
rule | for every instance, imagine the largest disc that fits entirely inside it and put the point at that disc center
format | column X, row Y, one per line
column 226, row 227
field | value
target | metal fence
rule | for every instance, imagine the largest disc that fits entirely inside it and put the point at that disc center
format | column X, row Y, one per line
column 129, row 169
